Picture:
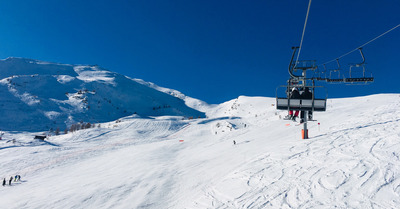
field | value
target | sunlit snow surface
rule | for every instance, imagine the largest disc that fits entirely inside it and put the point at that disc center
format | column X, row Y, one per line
column 40, row 96
column 350, row 161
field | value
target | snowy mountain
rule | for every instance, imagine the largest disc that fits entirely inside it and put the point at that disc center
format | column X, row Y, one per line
column 37, row 96
column 350, row 161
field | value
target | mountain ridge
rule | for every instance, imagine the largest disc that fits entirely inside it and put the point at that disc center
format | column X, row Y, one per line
column 37, row 96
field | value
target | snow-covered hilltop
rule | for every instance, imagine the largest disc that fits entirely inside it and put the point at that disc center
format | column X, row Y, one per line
column 36, row 95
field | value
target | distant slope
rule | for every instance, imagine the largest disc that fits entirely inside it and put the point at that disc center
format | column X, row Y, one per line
column 37, row 96
column 189, row 101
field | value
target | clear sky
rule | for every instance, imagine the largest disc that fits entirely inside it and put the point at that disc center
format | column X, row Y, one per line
column 213, row 50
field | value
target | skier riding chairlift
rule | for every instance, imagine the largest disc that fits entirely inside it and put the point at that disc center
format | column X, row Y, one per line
column 293, row 95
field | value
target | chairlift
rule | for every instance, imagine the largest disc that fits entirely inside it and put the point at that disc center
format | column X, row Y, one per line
column 300, row 65
column 321, row 75
column 334, row 75
column 300, row 81
column 315, row 104
column 356, row 76
column 304, row 65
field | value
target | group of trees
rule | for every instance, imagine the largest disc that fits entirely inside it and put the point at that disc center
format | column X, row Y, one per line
column 75, row 127
column 79, row 126
column 159, row 107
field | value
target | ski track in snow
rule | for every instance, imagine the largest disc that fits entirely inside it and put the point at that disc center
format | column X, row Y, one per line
column 83, row 145
column 352, row 167
column 157, row 129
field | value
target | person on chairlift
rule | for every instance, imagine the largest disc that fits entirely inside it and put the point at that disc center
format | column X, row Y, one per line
column 306, row 94
column 294, row 95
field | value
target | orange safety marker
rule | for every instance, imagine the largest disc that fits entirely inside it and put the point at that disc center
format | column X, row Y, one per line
column 287, row 124
column 180, row 140
column 304, row 134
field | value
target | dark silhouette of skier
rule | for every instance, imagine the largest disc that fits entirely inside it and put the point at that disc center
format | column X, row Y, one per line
column 294, row 95
column 4, row 182
column 11, row 178
column 306, row 95
column 234, row 142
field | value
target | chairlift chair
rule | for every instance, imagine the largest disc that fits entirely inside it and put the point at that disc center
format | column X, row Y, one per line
column 354, row 74
column 335, row 78
column 300, row 81
column 321, row 75
column 287, row 103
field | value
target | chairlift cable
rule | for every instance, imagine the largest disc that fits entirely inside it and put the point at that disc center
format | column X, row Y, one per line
column 361, row 45
column 302, row 35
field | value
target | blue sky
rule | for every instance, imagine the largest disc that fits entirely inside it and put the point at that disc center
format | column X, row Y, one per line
column 211, row 50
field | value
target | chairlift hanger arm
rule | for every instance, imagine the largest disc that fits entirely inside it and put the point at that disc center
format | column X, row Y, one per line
column 361, row 63
column 337, row 61
column 291, row 66
column 362, row 55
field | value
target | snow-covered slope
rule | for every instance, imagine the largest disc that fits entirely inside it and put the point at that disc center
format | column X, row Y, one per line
column 350, row 161
column 189, row 101
column 37, row 95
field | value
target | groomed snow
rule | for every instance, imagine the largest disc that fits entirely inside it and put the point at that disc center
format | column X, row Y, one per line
column 350, row 161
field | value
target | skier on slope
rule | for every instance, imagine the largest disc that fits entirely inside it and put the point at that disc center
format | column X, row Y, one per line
column 11, row 178
column 4, row 182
